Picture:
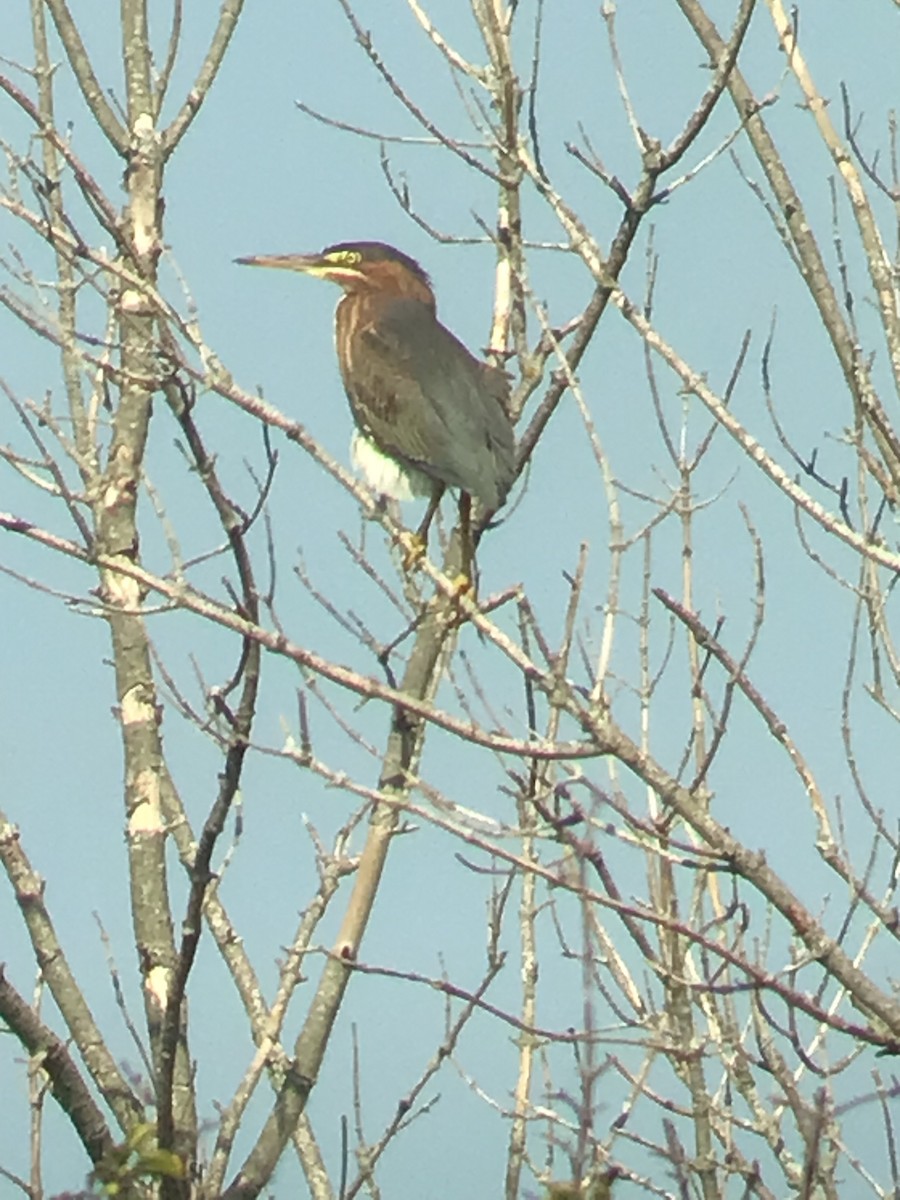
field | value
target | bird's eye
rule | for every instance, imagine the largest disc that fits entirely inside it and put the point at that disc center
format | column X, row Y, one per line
column 346, row 258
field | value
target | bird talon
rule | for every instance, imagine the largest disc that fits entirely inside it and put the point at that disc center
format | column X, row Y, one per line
column 412, row 550
column 462, row 589
column 463, row 586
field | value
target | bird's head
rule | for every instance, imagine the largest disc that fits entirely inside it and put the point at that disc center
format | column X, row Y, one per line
column 372, row 267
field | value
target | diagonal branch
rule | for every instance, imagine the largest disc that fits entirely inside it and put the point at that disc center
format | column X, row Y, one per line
column 229, row 15
column 55, row 969
column 79, row 61
column 68, row 1088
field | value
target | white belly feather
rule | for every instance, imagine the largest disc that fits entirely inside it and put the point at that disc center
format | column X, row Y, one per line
column 384, row 474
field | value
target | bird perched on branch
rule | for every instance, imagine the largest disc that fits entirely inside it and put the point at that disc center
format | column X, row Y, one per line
column 429, row 415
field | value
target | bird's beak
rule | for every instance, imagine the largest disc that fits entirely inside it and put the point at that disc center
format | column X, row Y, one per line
column 307, row 264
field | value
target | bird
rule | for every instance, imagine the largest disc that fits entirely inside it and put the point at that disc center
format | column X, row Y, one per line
column 429, row 415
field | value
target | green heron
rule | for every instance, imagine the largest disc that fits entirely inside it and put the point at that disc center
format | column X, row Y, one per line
column 429, row 415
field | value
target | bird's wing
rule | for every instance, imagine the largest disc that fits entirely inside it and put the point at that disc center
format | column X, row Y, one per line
column 435, row 406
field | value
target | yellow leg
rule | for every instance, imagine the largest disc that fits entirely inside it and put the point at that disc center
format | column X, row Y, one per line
column 467, row 550
column 415, row 545
column 464, row 583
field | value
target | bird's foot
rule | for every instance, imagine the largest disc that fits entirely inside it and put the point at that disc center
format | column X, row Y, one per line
column 412, row 550
column 462, row 591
